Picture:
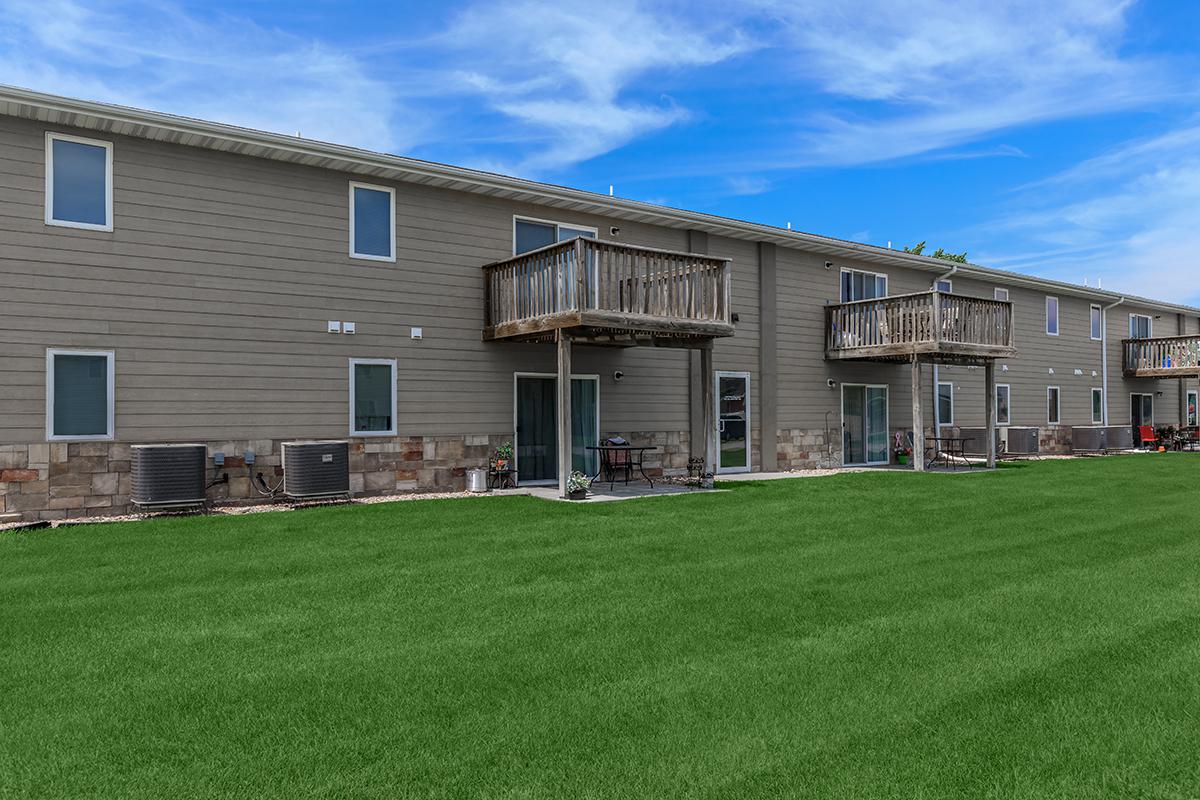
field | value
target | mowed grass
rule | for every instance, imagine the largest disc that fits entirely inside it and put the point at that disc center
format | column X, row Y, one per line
column 1033, row 632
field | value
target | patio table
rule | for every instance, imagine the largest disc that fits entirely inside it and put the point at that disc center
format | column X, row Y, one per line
column 946, row 449
column 635, row 456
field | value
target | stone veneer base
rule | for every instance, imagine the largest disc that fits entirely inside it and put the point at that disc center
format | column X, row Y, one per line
column 59, row 480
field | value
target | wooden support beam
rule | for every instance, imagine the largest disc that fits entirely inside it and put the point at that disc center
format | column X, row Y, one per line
column 989, row 381
column 917, row 421
column 564, row 411
column 708, row 400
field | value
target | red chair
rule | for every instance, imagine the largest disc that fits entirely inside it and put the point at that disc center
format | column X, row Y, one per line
column 1146, row 436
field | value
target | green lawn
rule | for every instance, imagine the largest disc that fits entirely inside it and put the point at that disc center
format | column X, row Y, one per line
column 1032, row 632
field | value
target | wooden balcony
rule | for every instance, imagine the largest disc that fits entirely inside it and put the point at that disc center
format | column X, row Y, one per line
column 934, row 326
column 601, row 292
column 1162, row 357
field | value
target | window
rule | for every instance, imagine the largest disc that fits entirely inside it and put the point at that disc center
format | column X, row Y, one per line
column 79, row 394
column 1002, row 396
column 1000, row 294
column 372, row 222
column 372, row 397
column 1052, row 316
column 1192, row 417
column 859, row 285
column 534, row 234
column 1052, row 405
column 944, row 285
column 945, row 405
column 78, row 182
column 1097, row 323
column 1140, row 326
column 1097, row 406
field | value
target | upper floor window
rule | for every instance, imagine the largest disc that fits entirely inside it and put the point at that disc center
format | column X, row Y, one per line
column 1000, row 294
column 944, row 285
column 1140, row 326
column 859, row 285
column 1097, row 316
column 1052, row 316
column 372, row 222
column 78, row 182
column 534, row 234
column 79, row 394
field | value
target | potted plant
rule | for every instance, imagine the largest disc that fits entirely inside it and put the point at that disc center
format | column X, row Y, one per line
column 577, row 485
column 504, row 454
column 901, row 449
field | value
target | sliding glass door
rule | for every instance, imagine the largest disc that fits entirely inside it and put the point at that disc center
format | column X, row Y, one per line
column 536, row 441
column 864, row 424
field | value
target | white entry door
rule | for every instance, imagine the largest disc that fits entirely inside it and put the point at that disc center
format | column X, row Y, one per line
column 733, row 421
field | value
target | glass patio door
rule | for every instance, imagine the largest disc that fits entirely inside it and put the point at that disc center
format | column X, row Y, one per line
column 536, row 441
column 733, row 422
column 864, row 425
column 1141, row 409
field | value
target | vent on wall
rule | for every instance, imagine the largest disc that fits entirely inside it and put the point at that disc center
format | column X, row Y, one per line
column 167, row 475
column 316, row 469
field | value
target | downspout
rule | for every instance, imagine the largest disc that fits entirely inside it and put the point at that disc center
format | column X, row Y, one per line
column 1104, row 352
column 937, row 421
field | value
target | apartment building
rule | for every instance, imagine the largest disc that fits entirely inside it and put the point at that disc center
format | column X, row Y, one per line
column 171, row 280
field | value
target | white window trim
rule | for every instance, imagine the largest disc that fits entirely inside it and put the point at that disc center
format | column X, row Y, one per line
column 887, row 283
column 390, row 362
column 556, row 223
column 392, row 220
column 110, row 355
column 1092, row 410
column 1057, row 316
column 1057, row 405
column 1149, row 324
column 996, row 402
column 108, row 182
column 1152, row 405
column 1196, row 403
column 1100, row 310
column 938, row 409
column 998, row 291
column 947, row 281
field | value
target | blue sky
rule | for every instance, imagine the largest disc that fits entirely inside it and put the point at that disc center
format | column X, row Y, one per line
column 1061, row 139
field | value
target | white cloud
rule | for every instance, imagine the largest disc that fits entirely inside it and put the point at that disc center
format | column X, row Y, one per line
column 226, row 69
column 562, row 72
column 929, row 75
column 1136, row 229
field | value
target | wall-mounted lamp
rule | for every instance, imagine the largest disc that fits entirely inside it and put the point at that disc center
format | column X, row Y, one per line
column 618, row 375
column 828, row 265
column 734, row 317
column 831, row 383
column 614, row 231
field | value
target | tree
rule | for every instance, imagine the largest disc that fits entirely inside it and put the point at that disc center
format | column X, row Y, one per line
column 919, row 247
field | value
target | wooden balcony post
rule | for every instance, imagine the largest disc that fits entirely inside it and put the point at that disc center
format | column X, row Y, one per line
column 708, row 401
column 564, row 411
column 918, row 423
column 989, row 380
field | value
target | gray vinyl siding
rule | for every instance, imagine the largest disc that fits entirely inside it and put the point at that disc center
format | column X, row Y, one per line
column 216, row 283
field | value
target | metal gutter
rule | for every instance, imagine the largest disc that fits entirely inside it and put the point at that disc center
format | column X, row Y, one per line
column 1104, row 352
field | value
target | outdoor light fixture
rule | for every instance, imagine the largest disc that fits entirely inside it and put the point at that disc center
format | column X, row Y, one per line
column 618, row 375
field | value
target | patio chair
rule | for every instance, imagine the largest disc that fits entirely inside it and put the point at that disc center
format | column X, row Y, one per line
column 1146, row 436
column 617, row 461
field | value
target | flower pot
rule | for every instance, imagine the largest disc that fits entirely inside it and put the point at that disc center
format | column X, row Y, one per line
column 577, row 494
column 901, row 458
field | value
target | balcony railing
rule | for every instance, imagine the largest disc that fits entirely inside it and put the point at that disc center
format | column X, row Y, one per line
column 1162, row 357
column 588, row 284
column 923, row 323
